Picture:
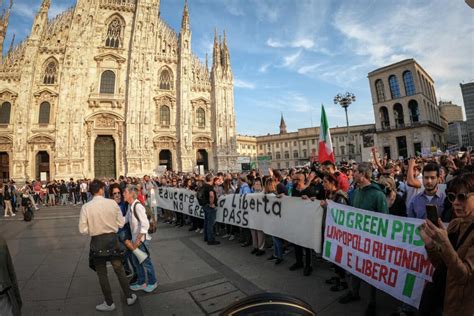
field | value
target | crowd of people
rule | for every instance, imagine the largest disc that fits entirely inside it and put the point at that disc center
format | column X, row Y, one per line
column 121, row 215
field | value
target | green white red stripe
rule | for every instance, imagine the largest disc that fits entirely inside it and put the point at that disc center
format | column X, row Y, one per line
column 325, row 152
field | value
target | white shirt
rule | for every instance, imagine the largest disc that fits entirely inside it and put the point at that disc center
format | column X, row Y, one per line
column 138, row 226
column 100, row 216
column 83, row 187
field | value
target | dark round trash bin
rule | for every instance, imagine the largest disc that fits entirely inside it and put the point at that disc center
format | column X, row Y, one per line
column 267, row 304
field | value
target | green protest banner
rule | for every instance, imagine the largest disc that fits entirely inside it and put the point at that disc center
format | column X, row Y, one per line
column 385, row 251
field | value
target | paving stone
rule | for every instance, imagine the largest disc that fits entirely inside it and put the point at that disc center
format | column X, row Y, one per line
column 217, row 303
column 176, row 303
column 213, row 291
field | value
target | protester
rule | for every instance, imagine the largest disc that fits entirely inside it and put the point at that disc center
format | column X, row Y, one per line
column 258, row 237
column 10, row 298
column 451, row 251
column 271, row 188
column 7, row 200
column 431, row 194
column 368, row 196
column 139, row 225
column 333, row 193
column 208, row 200
column 244, row 188
column 101, row 218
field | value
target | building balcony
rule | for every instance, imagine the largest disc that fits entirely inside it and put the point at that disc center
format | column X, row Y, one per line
column 105, row 99
column 400, row 126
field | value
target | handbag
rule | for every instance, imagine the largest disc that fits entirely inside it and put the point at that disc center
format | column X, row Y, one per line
column 432, row 298
column 106, row 246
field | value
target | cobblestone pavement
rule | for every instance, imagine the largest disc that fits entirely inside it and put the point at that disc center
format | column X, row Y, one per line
column 51, row 262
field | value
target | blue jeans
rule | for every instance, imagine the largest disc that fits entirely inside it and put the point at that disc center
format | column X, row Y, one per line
column 145, row 269
column 278, row 247
column 209, row 220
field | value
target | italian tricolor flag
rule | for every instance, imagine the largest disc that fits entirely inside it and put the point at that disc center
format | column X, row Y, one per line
column 325, row 144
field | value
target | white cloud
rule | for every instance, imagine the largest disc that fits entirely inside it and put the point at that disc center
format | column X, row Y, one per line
column 305, row 43
column 263, row 68
column 441, row 46
column 308, row 69
column 234, row 7
column 273, row 43
column 24, row 10
column 291, row 60
column 243, row 84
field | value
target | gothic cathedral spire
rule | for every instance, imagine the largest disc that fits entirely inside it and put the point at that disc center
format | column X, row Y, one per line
column 282, row 125
column 185, row 21
column 4, row 18
column 216, row 54
column 225, row 54
column 41, row 21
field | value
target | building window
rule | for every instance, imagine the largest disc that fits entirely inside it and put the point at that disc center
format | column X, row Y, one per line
column 165, row 80
column 278, row 165
column 5, row 111
column 50, row 73
column 351, row 148
column 379, row 89
column 408, row 82
column 269, row 154
column 277, row 145
column 313, row 141
column 394, row 88
column 295, row 154
column 201, row 118
column 278, row 156
column 342, row 150
column 44, row 113
column 165, row 115
column 286, row 144
column 384, row 118
column 113, row 34
column 398, row 113
column 288, row 164
column 287, row 155
column 304, row 143
column 261, row 147
column 294, row 143
column 304, row 153
column 341, row 138
column 414, row 111
column 107, row 82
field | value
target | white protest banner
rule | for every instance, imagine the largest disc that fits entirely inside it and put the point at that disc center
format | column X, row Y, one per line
column 385, row 251
column 294, row 219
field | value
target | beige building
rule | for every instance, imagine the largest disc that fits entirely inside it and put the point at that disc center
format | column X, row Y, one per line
column 108, row 88
column 247, row 146
column 452, row 112
column 291, row 149
column 407, row 117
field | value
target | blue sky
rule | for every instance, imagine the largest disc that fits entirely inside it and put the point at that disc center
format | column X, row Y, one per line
column 291, row 56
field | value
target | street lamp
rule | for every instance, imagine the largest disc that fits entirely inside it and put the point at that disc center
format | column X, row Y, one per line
column 345, row 100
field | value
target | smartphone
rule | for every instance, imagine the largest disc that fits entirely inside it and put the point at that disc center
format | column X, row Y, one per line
column 432, row 213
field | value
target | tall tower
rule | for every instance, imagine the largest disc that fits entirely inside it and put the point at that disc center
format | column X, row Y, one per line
column 282, row 125
column 4, row 18
column 185, row 141
column 222, row 103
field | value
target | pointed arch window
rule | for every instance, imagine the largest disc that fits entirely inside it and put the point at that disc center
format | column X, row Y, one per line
column 408, row 82
column 379, row 88
column 107, row 82
column 114, row 34
column 165, row 80
column 44, row 113
column 50, row 73
column 5, row 112
column 201, row 118
column 394, row 87
column 165, row 115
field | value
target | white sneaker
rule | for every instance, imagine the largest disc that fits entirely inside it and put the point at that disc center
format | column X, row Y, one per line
column 13, row 214
column 105, row 308
column 232, row 237
column 197, row 230
column 132, row 300
column 226, row 236
column 201, row 230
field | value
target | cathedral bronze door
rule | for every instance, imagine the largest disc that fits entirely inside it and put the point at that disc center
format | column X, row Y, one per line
column 104, row 157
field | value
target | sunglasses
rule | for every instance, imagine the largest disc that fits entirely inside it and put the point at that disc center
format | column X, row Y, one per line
column 116, row 193
column 462, row 197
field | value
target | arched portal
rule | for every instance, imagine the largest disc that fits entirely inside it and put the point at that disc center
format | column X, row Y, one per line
column 202, row 159
column 42, row 166
column 104, row 157
column 4, row 167
column 166, row 159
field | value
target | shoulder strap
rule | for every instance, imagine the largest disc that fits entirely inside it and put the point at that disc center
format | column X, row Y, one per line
column 464, row 237
column 134, row 213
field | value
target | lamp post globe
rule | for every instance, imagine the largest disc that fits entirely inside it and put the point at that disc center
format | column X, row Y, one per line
column 344, row 100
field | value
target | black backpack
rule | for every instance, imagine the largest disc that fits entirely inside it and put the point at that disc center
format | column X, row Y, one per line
column 201, row 195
